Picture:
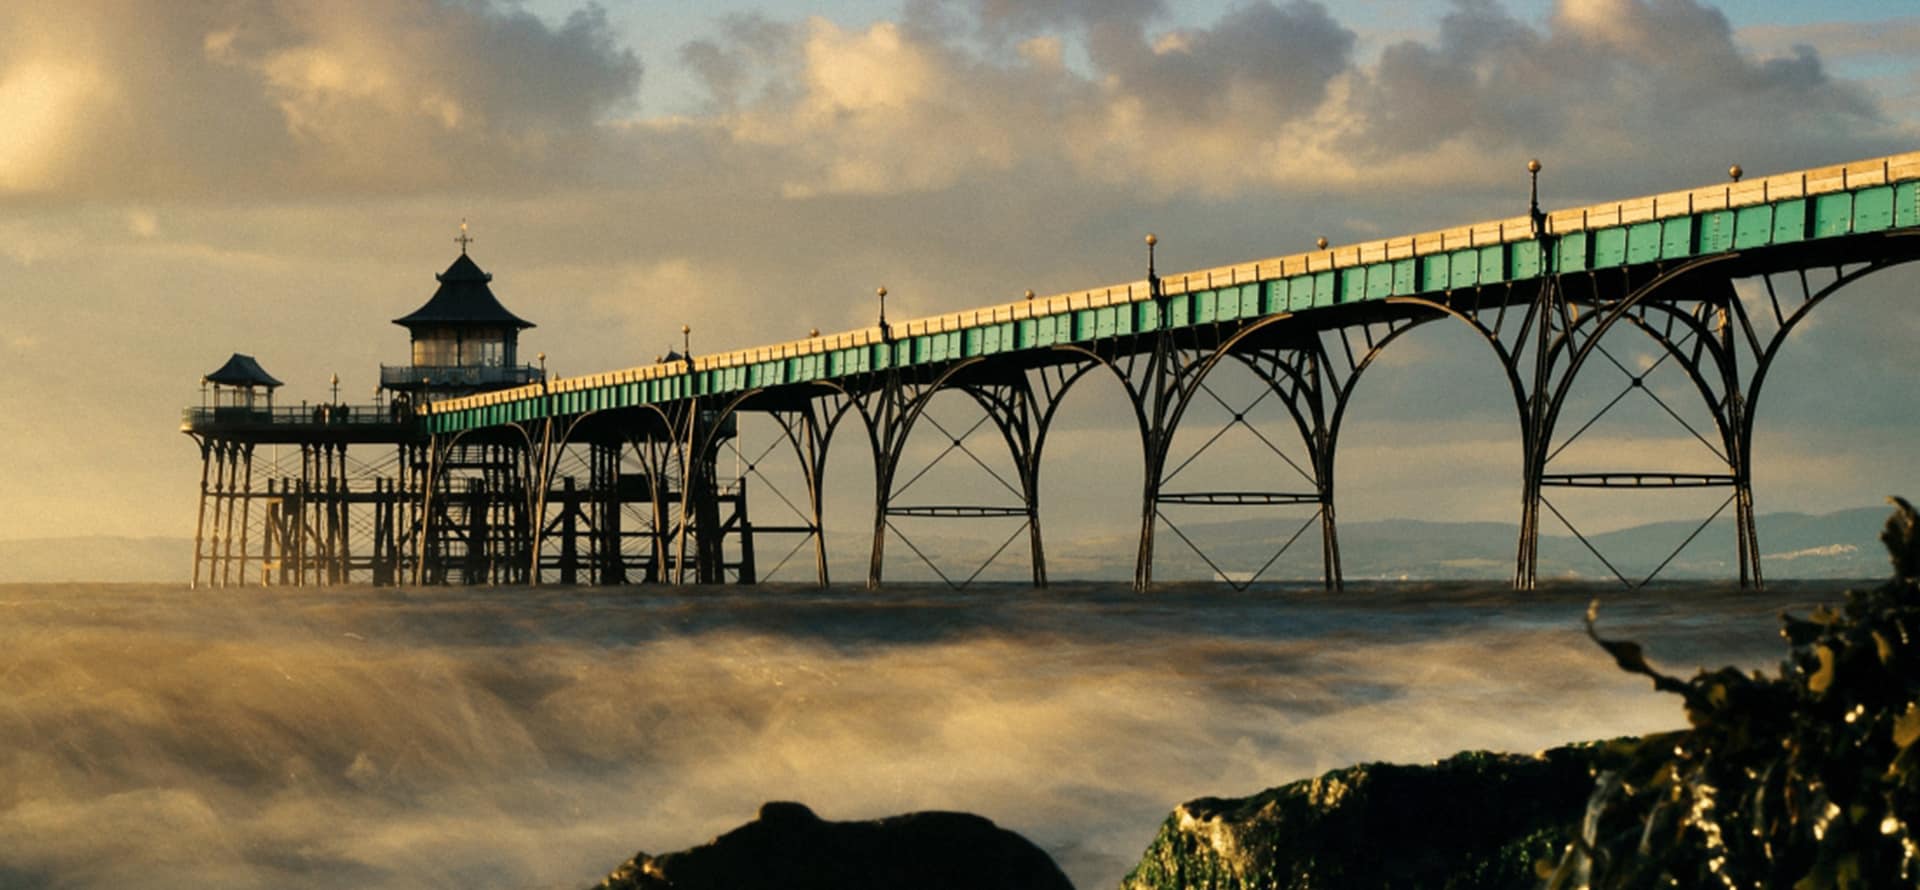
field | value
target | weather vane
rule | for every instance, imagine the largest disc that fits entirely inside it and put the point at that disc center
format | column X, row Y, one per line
column 464, row 239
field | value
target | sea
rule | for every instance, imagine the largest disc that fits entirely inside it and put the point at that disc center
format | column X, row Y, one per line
column 497, row 737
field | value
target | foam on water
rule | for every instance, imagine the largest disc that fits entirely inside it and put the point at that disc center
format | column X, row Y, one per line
column 507, row 738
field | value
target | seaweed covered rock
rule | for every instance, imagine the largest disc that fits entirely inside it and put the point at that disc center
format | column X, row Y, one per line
column 790, row 848
column 1476, row 821
column 1809, row 779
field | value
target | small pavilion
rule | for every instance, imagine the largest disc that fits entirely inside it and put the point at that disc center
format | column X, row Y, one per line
column 240, row 382
column 464, row 340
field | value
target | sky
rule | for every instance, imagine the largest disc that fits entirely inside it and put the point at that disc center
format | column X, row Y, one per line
column 183, row 181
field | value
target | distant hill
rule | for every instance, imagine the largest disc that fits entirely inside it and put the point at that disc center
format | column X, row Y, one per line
column 1793, row 545
column 1841, row 545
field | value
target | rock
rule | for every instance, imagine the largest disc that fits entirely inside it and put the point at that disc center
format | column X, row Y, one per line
column 1476, row 821
column 790, row 848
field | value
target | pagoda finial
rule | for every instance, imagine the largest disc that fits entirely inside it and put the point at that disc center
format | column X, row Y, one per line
column 464, row 239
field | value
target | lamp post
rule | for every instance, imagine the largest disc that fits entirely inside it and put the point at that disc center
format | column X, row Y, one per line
column 336, row 388
column 686, row 345
column 1533, row 201
column 885, row 332
column 1153, row 275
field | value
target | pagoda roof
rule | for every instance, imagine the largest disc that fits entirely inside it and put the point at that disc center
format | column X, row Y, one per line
column 463, row 299
column 242, row 370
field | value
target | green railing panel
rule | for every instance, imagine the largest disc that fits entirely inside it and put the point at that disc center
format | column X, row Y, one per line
column 1434, row 274
column 1178, row 315
column 1716, row 232
column 1300, row 293
column 1146, row 316
column 1493, row 263
column 1324, row 286
column 1610, row 248
column 1753, row 226
column 1206, row 306
column 1226, row 304
column 1123, row 316
column 1570, row 254
column 1832, row 215
column 1676, row 238
column 1790, row 221
column 1906, row 204
column 1353, row 284
column 1873, row 209
column 1106, row 322
column 1405, row 277
column 1523, row 260
column 1379, row 281
column 1643, row 242
column 1466, row 269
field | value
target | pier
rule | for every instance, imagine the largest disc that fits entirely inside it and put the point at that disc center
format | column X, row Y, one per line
column 487, row 470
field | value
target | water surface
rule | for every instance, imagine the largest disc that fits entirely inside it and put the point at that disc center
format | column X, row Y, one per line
column 508, row 738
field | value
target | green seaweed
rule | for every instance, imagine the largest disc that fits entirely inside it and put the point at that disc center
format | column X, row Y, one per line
column 1808, row 779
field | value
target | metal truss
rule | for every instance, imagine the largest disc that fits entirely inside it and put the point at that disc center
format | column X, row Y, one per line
column 808, row 429
column 1311, row 373
column 1546, row 335
column 1019, row 403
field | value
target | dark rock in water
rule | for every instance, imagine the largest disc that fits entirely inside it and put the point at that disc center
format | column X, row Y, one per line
column 1476, row 821
column 789, row 848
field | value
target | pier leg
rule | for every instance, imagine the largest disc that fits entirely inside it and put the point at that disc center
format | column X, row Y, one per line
column 200, row 524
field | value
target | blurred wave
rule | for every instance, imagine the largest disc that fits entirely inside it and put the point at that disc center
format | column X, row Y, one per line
column 157, row 737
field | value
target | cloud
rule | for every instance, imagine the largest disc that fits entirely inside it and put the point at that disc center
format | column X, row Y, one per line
column 430, row 95
column 1269, row 98
column 114, row 98
column 1605, row 77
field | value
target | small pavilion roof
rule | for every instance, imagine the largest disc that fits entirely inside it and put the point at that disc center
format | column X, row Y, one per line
column 242, row 370
column 463, row 300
